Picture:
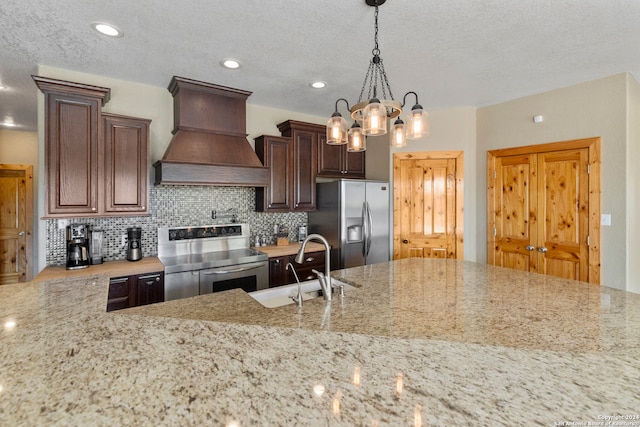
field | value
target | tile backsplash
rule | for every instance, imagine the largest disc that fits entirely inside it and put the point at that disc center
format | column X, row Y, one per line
column 176, row 206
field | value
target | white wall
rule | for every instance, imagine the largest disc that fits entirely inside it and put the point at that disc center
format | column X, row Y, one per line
column 591, row 109
column 453, row 130
column 633, row 186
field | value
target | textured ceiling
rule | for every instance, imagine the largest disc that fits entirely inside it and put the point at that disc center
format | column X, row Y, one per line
column 452, row 53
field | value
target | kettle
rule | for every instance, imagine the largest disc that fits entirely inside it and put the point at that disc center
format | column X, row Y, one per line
column 134, row 250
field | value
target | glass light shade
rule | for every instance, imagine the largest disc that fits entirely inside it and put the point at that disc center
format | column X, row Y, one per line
column 336, row 130
column 417, row 124
column 356, row 140
column 374, row 118
column 397, row 135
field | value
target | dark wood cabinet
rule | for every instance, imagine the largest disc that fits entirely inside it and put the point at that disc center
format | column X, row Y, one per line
column 277, row 271
column 121, row 293
column 276, row 153
column 279, row 275
column 72, row 146
column 334, row 161
column 149, row 288
column 131, row 291
column 126, row 159
column 96, row 164
column 312, row 260
column 304, row 141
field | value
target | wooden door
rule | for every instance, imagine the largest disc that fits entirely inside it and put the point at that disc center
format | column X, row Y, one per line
column 544, row 209
column 16, row 222
column 428, row 205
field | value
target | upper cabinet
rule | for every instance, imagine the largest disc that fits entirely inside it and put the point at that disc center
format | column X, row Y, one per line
column 276, row 153
column 334, row 161
column 126, row 161
column 92, row 168
column 304, row 141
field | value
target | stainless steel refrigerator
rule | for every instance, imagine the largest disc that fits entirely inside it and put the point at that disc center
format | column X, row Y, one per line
column 353, row 215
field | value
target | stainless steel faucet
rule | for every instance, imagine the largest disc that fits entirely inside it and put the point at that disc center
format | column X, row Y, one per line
column 324, row 279
column 298, row 298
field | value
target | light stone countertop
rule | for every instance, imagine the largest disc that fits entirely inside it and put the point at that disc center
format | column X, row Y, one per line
column 420, row 342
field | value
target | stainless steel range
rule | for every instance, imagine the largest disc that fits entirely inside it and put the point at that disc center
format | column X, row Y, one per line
column 206, row 259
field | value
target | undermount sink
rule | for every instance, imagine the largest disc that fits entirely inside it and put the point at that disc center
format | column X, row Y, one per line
column 281, row 295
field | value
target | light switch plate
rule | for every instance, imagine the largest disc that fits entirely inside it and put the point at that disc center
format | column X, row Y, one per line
column 605, row 219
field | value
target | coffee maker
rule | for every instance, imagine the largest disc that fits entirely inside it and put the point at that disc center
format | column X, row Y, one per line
column 134, row 250
column 78, row 246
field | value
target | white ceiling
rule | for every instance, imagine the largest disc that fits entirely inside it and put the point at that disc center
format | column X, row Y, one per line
column 452, row 53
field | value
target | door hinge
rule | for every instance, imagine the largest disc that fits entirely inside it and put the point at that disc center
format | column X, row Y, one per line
column 495, row 232
column 588, row 241
column 495, row 174
column 588, row 168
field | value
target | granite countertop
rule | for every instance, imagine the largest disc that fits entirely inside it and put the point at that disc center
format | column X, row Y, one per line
column 420, row 342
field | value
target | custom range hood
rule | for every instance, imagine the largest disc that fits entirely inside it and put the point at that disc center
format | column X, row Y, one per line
column 209, row 146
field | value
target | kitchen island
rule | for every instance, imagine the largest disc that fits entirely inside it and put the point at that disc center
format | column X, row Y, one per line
column 419, row 342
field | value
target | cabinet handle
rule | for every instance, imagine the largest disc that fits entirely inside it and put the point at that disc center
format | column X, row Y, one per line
column 155, row 277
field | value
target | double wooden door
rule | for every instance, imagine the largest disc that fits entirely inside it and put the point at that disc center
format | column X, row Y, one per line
column 427, row 208
column 543, row 212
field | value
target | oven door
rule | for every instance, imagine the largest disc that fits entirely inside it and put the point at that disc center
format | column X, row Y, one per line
column 250, row 277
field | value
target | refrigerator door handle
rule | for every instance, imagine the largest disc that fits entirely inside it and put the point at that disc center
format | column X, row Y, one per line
column 365, row 231
column 369, row 228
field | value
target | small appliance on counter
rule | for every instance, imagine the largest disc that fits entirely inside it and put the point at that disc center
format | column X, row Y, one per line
column 78, row 246
column 134, row 249
column 96, row 246
column 302, row 233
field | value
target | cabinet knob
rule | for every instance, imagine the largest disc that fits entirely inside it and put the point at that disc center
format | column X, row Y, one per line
column 93, row 209
column 310, row 259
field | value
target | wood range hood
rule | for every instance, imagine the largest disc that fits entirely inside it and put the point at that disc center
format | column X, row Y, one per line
column 209, row 146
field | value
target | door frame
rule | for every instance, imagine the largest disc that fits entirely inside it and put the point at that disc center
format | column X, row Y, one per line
column 28, row 250
column 594, row 147
column 458, row 156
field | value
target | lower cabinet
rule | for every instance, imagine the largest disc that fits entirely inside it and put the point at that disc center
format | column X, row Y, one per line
column 279, row 275
column 131, row 291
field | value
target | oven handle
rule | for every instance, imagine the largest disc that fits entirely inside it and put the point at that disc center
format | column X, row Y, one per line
column 235, row 270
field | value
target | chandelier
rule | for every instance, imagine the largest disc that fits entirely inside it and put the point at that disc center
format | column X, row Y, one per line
column 372, row 114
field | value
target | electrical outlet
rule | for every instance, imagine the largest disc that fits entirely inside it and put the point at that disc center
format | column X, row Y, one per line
column 124, row 240
column 214, row 214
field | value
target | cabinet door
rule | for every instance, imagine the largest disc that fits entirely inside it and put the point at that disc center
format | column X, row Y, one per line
column 277, row 271
column 126, row 141
column 275, row 153
column 121, row 294
column 150, row 288
column 354, row 164
column 329, row 159
column 71, row 153
column 304, row 170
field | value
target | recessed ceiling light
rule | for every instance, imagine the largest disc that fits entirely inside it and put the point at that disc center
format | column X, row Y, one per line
column 107, row 29
column 232, row 64
column 318, row 85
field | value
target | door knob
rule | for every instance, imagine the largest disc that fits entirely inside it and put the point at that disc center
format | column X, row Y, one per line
column 405, row 241
column 530, row 247
column 542, row 249
column 21, row 233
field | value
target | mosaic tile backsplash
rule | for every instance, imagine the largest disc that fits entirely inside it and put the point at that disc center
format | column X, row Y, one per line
column 177, row 206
